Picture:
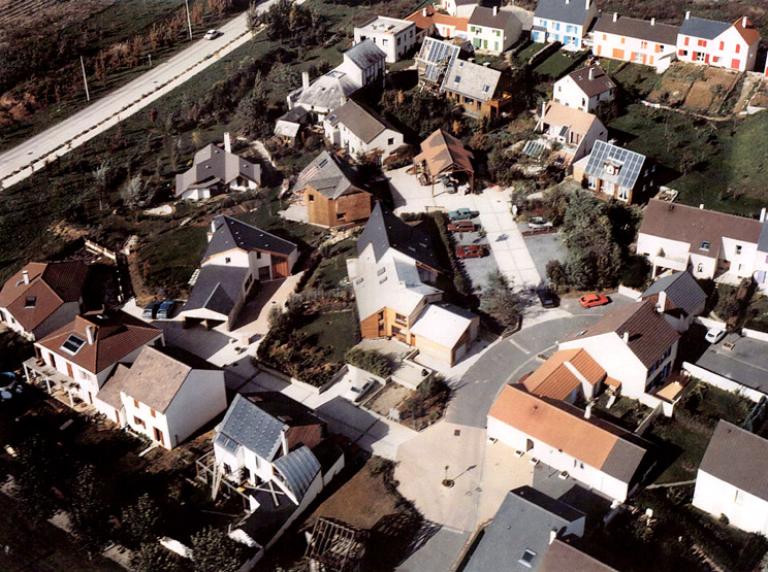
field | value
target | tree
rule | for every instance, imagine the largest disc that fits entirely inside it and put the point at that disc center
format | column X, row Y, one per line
column 499, row 301
column 38, row 463
column 153, row 557
column 88, row 510
column 131, row 191
column 141, row 521
column 214, row 551
column 100, row 175
column 557, row 274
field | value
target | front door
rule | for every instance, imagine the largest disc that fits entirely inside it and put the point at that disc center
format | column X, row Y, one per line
column 70, row 373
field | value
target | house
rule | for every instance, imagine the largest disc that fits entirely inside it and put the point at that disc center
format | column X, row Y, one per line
column 493, row 31
column 430, row 22
column 331, row 196
column 481, row 91
column 215, row 171
column 394, row 280
column 394, row 36
column 42, row 297
column 361, row 132
column 711, row 244
column 523, row 531
column 444, row 159
column 566, row 376
column 637, row 41
column 564, row 21
column 562, row 555
column 289, row 125
column 731, row 480
column 591, row 451
column 78, row 358
column 238, row 257
column 166, row 395
column 680, row 297
column 459, row 8
column 364, row 63
column 634, row 344
column 273, row 449
column 433, row 60
column 611, row 171
column 573, row 130
column 719, row 44
column 586, row 89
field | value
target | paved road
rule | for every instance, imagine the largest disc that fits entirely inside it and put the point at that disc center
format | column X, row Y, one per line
column 121, row 103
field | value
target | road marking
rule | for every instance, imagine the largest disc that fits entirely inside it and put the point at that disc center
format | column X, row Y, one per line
column 518, row 346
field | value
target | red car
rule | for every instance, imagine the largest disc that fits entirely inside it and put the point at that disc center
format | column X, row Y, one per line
column 462, row 226
column 471, row 251
column 593, row 300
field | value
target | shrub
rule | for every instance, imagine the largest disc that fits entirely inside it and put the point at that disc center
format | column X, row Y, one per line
column 370, row 360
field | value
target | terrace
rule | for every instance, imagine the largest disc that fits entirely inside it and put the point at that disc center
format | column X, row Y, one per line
column 56, row 384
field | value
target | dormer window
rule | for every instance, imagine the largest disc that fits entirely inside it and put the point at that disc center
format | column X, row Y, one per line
column 30, row 302
column 705, row 245
column 72, row 344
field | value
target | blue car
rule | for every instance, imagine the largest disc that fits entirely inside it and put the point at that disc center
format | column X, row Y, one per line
column 150, row 311
column 166, row 309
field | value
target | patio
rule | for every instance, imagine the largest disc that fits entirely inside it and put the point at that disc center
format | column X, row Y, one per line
column 56, row 384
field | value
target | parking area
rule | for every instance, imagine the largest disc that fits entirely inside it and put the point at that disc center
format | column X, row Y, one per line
column 543, row 248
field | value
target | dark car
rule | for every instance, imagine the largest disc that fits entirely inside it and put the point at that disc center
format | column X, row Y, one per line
column 150, row 311
column 462, row 226
column 166, row 309
column 547, row 297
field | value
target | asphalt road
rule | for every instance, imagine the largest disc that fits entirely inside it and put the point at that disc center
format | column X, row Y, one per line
column 21, row 161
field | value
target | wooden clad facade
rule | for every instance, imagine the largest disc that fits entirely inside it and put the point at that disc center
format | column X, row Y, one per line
column 350, row 208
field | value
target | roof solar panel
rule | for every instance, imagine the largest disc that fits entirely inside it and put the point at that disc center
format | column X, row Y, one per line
column 436, row 56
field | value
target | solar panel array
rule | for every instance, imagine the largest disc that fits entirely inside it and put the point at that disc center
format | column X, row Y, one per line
column 436, row 57
column 631, row 164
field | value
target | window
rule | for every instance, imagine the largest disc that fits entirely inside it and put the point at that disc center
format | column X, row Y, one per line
column 722, row 45
column 702, row 43
column 685, row 41
column 72, row 344
column 340, row 216
column 605, row 37
column 699, row 267
column 527, row 558
column 705, row 245
column 738, row 48
column 227, row 469
column 30, row 302
column 457, row 79
column 258, row 255
column 153, row 413
column 644, row 45
column 391, row 141
column 311, row 198
column 139, row 421
column 227, row 260
column 400, row 319
column 738, row 249
column 136, row 404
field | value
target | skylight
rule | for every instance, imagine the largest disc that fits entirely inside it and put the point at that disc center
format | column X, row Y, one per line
column 705, row 245
column 527, row 558
column 72, row 344
column 30, row 302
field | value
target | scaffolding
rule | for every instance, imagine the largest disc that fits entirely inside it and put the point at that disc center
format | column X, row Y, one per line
column 335, row 547
column 208, row 473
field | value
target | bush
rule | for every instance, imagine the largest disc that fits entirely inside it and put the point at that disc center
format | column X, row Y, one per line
column 370, row 360
column 636, row 272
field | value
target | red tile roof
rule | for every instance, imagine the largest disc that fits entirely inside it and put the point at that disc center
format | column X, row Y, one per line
column 749, row 33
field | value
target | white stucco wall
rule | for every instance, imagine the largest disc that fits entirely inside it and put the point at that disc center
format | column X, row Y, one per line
column 568, row 93
column 744, row 510
column 200, row 399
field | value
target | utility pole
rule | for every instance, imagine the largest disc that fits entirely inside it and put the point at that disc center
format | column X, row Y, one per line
column 85, row 79
column 150, row 59
column 189, row 19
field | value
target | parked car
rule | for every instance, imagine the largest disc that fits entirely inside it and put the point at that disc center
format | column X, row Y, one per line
column 212, row 34
column 359, row 389
column 547, row 297
column 462, row 214
column 594, row 300
column 714, row 335
column 166, row 309
column 150, row 311
column 471, row 251
column 539, row 222
column 462, row 226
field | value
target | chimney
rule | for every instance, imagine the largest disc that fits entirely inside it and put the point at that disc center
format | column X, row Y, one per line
column 90, row 334
column 762, row 214
column 567, row 2
column 653, row 21
column 227, row 143
column 625, row 337
column 25, row 275
column 496, row 11
column 305, row 78
column 615, row 16
column 745, row 22
column 591, row 74
column 588, row 411
column 688, row 15
column 661, row 303
column 424, row 12
column 701, row 206
column 552, row 535
column 588, row 2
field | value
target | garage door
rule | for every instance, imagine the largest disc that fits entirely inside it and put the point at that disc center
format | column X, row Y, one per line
column 618, row 54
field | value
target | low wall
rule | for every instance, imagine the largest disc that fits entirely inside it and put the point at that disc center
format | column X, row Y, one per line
column 722, row 382
column 103, row 250
column 629, row 292
column 755, row 334
column 709, row 322
column 296, row 381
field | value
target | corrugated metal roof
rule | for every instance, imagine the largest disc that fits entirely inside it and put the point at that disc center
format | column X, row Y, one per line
column 298, row 469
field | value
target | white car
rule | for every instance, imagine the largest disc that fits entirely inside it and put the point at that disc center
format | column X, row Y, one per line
column 211, row 35
column 359, row 389
column 714, row 335
column 539, row 222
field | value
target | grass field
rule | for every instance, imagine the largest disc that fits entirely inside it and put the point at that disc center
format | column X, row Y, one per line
column 338, row 331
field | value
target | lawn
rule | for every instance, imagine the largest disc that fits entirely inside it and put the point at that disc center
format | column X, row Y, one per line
column 715, row 164
column 558, row 64
column 337, row 331
column 332, row 270
column 635, row 80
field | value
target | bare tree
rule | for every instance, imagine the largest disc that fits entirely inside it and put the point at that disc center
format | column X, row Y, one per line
column 100, row 175
column 131, row 192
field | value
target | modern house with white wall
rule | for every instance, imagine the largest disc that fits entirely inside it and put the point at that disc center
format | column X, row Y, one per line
column 593, row 452
column 361, row 132
column 574, row 131
column 165, row 395
column 42, row 297
column 732, row 480
column 719, row 44
column 711, row 244
column 564, row 21
column 79, row 357
column 585, row 89
column 493, row 31
column 644, row 42
column 459, row 8
column 394, row 36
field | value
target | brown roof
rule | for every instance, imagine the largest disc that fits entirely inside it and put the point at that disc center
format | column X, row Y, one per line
column 683, row 223
column 556, row 378
column 432, row 17
column 361, row 121
column 640, row 29
column 50, row 285
column 562, row 556
column 649, row 333
column 110, row 391
column 444, row 153
column 600, row 82
column 483, row 16
column 578, row 121
column 561, row 427
column 749, row 33
column 115, row 336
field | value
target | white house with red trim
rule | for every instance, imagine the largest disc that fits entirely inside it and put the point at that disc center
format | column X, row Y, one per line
column 720, row 44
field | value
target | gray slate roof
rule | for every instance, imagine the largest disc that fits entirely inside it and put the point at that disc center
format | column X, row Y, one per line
column 472, row 80
column 573, row 12
column 213, row 165
column 384, row 230
column 630, row 163
column 738, row 457
column 361, row 121
column 640, row 29
column 247, row 425
column 365, row 54
column 299, row 468
column 233, row 233
column 703, row 28
column 217, row 288
column 762, row 241
column 682, row 291
column 326, row 174
column 523, row 522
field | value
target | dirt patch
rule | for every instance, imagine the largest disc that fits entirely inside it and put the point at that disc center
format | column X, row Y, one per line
column 389, row 398
column 675, row 84
column 708, row 94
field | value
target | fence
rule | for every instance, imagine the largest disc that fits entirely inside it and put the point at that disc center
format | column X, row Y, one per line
column 630, row 293
column 755, row 334
column 722, row 382
column 98, row 249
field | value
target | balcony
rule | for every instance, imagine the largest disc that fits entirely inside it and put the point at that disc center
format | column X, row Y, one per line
column 679, row 263
column 55, row 383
